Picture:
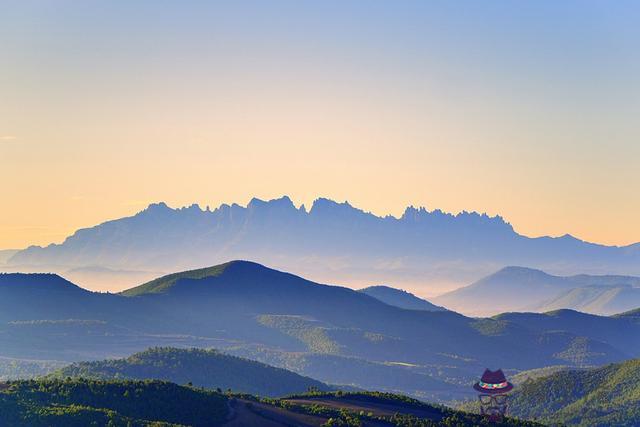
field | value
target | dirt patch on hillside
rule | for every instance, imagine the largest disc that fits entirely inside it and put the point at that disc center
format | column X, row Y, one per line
column 247, row 413
column 379, row 409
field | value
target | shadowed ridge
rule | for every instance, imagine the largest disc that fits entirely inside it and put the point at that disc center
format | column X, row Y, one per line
column 48, row 281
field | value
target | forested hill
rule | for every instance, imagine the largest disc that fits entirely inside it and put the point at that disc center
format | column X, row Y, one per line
column 605, row 396
column 87, row 402
column 80, row 403
column 203, row 368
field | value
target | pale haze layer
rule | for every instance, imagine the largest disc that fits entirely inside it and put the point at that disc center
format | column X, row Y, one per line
column 527, row 110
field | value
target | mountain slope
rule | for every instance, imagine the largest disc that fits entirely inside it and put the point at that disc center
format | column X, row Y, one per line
column 164, row 283
column 334, row 334
column 203, row 368
column 609, row 395
column 333, row 242
column 524, row 289
column 399, row 298
column 596, row 299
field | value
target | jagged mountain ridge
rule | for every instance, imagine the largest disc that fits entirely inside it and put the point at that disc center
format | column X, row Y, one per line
column 422, row 251
column 331, row 242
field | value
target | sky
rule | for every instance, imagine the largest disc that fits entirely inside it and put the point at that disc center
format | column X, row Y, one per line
column 525, row 109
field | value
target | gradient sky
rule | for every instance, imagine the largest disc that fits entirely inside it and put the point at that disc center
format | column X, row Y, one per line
column 529, row 110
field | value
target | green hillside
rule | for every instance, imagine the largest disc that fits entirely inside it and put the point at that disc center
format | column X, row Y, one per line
column 164, row 283
column 203, row 368
column 331, row 333
column 83, row 402
column 605, row 396
column 87, row 402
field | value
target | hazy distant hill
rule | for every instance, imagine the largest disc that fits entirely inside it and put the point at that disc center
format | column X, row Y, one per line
column 400, row 298
column 331, row 242
column 606, row 396
column 203, row 368
column 596, row 299
column 334, row 334
column 6, row 254
column 527, row 289
column 613, row 330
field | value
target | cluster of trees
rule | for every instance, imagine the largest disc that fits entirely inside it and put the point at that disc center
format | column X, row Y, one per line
column 83, row 402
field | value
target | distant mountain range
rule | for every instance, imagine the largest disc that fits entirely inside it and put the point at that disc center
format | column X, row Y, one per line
column 400, row 298
column 527, row 289
column 330, row 333
column 423, row 251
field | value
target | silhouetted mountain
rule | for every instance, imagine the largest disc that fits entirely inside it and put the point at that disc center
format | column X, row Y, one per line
column 333, row 242
column 45, row 296
column 526, row 289
column 331, row 333
column 605, row 396
column 400, row 298
column 203, row 368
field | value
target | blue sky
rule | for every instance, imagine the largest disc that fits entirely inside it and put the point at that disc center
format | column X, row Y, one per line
column 524, row 109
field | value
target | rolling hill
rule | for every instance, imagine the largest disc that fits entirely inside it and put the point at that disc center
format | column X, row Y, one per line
column 605, row 396
column 331, row 242
column 400, row 298
column 527, row 289
column 203, row 368
column 333, row 334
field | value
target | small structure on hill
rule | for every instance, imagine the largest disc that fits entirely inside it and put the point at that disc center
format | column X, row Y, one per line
column 494, row 399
